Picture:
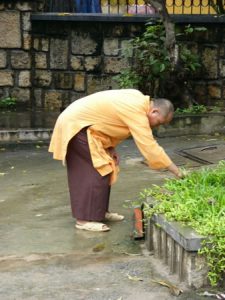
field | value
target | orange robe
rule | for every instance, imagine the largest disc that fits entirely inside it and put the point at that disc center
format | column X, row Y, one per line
column 111, row 117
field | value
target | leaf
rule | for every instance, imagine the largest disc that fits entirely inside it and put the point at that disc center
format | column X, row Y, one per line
column 162, row 67
column 98, row 247
column 134, row 278
column 174, row 290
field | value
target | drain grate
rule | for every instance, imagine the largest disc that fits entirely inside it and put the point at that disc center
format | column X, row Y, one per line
column 205, row 155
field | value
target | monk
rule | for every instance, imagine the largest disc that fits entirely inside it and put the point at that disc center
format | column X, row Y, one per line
column 85, row 136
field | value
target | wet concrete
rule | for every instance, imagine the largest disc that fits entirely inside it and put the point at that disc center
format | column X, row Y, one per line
column 42, row 255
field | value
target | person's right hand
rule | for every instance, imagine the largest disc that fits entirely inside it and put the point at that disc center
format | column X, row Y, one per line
column 182, row 173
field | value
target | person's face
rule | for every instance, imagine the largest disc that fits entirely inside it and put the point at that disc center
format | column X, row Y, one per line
column 156, row 118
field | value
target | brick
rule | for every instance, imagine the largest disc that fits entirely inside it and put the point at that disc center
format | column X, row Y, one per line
column 10, row 29
column 6, row 78
column 24, row 79
column 20, row 59
column 40, row 60
column 83, row 44
column 53, row 100
column 43, row 78
column 3, row 61
column 92, row 63
column 77, row 63
column 111, row 47
column 58, row 54
column 79, row 82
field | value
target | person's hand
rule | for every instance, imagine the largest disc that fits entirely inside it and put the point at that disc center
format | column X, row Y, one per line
column 183, row 173
column 179, row 173
column 114, row 155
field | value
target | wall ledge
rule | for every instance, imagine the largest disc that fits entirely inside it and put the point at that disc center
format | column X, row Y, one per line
column 75, row 17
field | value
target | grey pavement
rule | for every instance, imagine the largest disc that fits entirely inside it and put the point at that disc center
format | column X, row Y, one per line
column 42, row 255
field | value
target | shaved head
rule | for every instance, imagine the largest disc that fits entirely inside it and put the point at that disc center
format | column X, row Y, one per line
column 166, row 106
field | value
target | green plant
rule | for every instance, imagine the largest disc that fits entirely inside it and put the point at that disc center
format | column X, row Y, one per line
column 8, row 102
column 151, row 68
column 195, row 109
column 198, row 201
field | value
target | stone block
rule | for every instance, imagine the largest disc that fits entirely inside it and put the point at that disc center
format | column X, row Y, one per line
column 117, row 31
column 100, row 83
column 42, row 78
column 222, row 67
column 40, row 60
column 222, row 50
column 3, row 61
column 20, row 60
column 111, row 46
column 24, row 6
column 24, row 79
column 38, row 98
column 6, row 78
column 22, row 95
column 79, row 82
column 125, row 45
column 10, row 29
column 26, row 23
column 200, row 92
column 44, row 44
column 214, row 91
column 27, row 40
column 184, row 236
column 77, row 63
column 195, row 270
column 135, row 30
column 76, row 95
column 185, row 263
column 58, row 54
column 53, row 100
column 83, row 44
column 209, row 61
column 92, row 63
column 41, row 44
column 63, row 80
column 115, row 64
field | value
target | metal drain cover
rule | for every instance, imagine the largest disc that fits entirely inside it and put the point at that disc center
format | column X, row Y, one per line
column 210, row 154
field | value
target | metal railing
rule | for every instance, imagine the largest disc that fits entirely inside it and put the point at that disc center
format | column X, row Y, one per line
column 136, row 7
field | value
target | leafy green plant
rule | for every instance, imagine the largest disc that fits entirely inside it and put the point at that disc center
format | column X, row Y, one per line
column 8, row 102
column 198, row 201
column 195, row 109
column 151, row 68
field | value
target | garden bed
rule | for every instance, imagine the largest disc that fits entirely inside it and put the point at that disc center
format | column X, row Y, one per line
column 186, row 226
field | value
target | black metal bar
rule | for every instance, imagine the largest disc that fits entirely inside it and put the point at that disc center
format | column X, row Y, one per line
column 112, row 6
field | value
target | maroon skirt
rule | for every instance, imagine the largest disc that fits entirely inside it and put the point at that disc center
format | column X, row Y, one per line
column 89, row 191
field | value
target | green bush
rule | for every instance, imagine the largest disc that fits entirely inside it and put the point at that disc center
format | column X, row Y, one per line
column 151, row 69
column 198, row 201
column 8, row 103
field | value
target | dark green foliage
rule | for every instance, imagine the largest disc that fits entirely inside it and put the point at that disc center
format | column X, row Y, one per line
column 8, row 103
column 151, row 69
column 198, row 201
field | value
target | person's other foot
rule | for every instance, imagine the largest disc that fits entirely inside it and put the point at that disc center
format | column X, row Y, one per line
column 92, row 226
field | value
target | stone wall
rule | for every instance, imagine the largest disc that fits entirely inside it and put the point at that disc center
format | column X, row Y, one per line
column 73, row 59
column 49, row 62
column 209, row 86
column 15, row 49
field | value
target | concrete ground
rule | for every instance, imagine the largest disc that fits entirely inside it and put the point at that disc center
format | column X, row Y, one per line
column 42, row 255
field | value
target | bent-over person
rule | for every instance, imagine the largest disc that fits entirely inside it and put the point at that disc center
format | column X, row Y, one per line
column 85, row 136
